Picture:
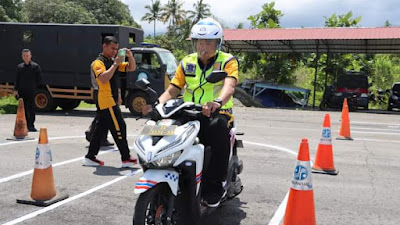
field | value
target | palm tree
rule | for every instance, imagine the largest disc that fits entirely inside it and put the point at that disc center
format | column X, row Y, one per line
column 154, row 13
column 173, row 12
column 202, row 10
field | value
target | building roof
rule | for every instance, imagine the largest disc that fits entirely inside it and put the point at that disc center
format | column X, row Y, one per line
column 306, row 40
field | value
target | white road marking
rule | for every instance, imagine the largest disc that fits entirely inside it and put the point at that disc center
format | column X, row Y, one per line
column 280, row 212
column 272, row 146
column 376, row 140
column 366, row 132
column 18, row 175
column 55, row 205
column 35, row 140
column 382, row 129
column 5, row 179
column 278, row 216
column 369, row 123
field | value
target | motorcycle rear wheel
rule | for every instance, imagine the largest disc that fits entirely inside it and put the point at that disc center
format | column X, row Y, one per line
column 151, row 206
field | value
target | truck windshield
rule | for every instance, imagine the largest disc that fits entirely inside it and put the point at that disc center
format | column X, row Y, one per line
column 169, row 59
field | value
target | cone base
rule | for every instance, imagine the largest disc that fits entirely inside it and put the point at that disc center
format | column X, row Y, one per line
column 322, row 171
column 20, row 139
column 30, row 201
column 344, row 138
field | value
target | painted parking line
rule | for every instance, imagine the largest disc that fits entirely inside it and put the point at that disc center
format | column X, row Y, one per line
column 78, row 196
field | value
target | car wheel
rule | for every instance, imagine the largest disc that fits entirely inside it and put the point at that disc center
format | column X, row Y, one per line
column 136, row 101
column 43, row 101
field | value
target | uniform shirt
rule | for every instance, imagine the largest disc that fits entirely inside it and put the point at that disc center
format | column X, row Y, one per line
column 231, row 68
column 108, row 91
column 28, row 77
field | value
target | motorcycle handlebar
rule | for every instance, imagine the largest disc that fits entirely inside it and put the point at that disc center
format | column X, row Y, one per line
column 194, row 112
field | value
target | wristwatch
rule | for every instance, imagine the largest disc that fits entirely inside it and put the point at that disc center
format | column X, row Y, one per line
column 219, row 101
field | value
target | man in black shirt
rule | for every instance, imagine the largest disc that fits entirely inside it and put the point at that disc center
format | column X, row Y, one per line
column 27, row 80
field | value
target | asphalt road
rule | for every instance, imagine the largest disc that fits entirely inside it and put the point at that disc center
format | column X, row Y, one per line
column 366, row 190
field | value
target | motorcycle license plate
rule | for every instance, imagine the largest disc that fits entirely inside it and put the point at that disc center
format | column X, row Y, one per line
column 158, row 130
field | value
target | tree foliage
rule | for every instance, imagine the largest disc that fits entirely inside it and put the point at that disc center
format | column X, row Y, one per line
column 108, row 11
column 173, row 12
column 201, row 10
column 57, row 11
column 269, row 66
column 154, row 14
column 11, row 10
column 78, row 12
column 268, row 17
column 344, row 20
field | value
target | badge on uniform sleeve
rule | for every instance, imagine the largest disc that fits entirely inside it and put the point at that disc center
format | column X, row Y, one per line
column 190, row 68
column 217, row 66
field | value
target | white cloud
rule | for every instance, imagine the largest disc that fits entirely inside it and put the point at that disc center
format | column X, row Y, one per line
column 297, row 13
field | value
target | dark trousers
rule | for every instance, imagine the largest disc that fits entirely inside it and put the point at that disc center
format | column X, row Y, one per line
column 215, row 133
column 29, row 105
column 92, row 126
column 110, row 119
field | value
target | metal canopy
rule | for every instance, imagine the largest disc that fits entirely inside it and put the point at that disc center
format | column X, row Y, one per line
column 313, row 40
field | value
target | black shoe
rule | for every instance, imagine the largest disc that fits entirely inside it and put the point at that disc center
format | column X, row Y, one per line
column 32, row 129
column 106, row 143
column 212, row 193
column 213, row 200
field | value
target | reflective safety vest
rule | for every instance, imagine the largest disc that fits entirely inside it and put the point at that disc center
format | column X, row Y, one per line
column 194, row 76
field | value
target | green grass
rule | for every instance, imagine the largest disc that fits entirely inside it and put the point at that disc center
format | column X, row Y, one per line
column 8, row 105
column 86, row 105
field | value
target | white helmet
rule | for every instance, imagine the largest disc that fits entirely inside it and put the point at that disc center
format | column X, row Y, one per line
column 207, row 28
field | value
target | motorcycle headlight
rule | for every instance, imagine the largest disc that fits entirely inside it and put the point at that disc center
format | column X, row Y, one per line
column 395, row 97
column 167, row 160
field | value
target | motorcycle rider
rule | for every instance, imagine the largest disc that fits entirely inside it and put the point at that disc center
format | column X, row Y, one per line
column 207, row 37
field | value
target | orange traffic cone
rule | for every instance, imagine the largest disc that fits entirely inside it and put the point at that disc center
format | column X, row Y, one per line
column 43, row 192
column 344, row 133
column 20, row 128
column 323, row 162
column 300, row 208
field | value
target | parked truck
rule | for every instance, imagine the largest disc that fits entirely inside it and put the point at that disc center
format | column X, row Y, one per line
column 65, row 52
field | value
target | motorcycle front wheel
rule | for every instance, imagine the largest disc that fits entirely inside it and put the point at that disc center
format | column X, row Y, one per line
column 152, row 206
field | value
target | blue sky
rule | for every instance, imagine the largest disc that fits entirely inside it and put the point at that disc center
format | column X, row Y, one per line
column 297, row 13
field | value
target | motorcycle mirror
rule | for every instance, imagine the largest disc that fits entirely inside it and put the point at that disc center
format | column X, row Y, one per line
column 142, row 84
column 216, row 76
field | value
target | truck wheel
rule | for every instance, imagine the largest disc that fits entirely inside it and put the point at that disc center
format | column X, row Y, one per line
column 68, row 104
column 44, row 102
column 136, row 101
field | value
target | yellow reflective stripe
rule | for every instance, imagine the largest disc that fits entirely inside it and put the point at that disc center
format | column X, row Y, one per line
column 228, row 114
column 114, row 119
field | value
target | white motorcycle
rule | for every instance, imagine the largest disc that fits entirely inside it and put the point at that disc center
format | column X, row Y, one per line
column 172, row 159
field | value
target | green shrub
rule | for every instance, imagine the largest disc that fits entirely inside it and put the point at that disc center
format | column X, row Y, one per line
column 8, row 105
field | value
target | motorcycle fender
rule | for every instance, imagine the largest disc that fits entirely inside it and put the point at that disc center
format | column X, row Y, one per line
column 152, row 177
